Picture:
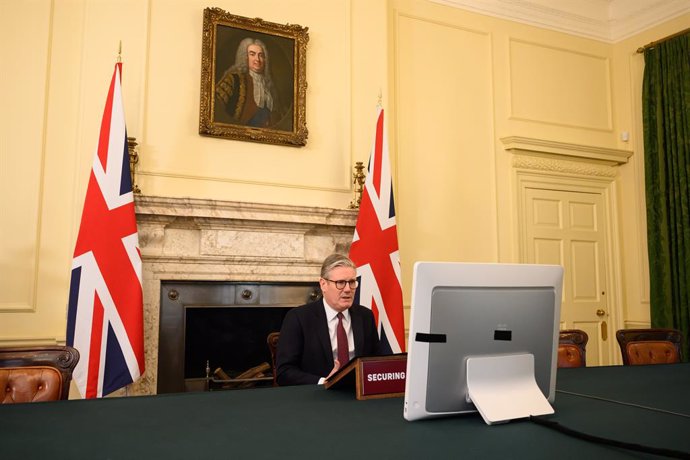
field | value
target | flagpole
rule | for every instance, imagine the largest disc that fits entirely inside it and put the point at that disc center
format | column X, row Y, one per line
column 131, row 141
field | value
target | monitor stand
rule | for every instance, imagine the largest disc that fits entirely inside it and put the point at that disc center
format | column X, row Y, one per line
column 503, row 388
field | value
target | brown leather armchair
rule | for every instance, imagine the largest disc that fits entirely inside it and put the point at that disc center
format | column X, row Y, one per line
column 272, row 342
column 33, row 374
column 572, row 351
column 649, row 346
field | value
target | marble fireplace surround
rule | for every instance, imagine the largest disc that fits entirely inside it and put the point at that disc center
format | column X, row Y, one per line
column 208, row 240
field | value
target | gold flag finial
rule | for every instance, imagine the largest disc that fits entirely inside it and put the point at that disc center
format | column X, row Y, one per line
column 380, row 97
column 119, row 52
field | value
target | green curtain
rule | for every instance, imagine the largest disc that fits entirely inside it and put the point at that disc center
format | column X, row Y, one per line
column 666, row 117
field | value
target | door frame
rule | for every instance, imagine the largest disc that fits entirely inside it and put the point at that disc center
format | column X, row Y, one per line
column 596, row 179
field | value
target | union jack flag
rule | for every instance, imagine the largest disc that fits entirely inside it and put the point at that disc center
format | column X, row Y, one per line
column 105, row 313
column 375, row 246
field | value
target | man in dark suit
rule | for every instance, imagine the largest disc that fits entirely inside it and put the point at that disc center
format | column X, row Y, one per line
column 308, row 344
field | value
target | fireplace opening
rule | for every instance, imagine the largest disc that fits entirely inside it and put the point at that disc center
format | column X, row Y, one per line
column 224, row 324
column 231, row 340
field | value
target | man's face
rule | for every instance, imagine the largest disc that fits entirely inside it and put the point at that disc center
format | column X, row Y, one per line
column 256, row 58
column 340, row 300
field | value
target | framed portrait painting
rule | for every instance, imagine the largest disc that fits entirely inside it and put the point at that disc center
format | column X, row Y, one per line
column 253, row 84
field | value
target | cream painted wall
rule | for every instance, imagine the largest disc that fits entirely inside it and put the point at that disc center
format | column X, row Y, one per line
column 444, row 136
column 22, row 153
column 453, row 83
column 37, row 200
column 464, row 81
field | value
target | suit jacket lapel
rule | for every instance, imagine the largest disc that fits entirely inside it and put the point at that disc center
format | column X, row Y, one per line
column 322, row 330
column 357, row 331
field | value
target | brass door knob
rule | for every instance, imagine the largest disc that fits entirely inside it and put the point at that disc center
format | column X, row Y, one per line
column 600, row 312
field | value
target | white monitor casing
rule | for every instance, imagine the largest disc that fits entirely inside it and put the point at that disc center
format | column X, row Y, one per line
column 478, row 311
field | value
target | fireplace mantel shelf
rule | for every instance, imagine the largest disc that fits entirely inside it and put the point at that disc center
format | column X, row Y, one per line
column 215, row 209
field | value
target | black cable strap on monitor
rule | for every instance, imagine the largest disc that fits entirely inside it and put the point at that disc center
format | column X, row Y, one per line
column 430, row 338
column 609, row 442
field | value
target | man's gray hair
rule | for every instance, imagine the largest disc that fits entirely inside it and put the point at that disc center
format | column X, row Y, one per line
column 335, row 261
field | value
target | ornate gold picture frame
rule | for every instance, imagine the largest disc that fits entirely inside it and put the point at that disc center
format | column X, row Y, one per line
column 253, row 79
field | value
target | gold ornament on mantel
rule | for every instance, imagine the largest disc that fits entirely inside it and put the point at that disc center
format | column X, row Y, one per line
column 358, row 177
column 133, row 161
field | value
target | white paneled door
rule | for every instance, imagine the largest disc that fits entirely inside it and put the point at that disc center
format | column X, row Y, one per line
column 568, row 228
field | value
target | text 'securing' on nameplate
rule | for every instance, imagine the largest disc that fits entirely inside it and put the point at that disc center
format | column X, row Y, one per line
column 372, row 376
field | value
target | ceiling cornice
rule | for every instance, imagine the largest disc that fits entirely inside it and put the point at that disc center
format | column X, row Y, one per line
column 606, row 20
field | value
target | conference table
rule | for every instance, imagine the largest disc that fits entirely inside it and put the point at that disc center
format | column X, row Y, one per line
column 312, row 422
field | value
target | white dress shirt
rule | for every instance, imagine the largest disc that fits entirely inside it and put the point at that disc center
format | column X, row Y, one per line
column 332, row 320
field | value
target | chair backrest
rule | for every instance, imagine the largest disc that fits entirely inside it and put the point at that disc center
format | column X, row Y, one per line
column 272, row 342
column 572, row 348
column 33, row 374
column 649, row 346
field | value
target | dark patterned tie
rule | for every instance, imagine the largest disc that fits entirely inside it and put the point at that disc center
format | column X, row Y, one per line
column 341, row 337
